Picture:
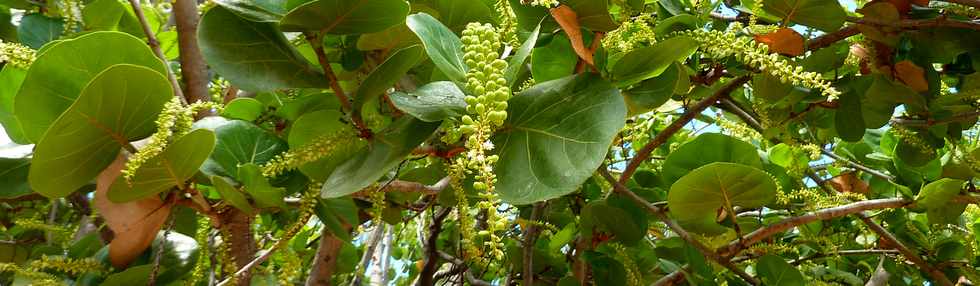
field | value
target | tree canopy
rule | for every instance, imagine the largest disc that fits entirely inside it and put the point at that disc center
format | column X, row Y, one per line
column 490, row 142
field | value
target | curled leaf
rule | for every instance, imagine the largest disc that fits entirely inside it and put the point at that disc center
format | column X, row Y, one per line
column 134, row 223
column 784, row 41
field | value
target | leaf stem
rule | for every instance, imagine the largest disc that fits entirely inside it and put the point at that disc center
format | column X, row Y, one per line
column 316, row 42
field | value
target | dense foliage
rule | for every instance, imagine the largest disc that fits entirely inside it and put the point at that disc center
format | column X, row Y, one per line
column 490, row 142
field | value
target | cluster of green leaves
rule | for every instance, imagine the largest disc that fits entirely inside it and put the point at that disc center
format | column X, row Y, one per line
column 764, row 150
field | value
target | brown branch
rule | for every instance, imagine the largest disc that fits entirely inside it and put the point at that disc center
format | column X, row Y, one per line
column 431, row 249
column 326, row 259
column 674, row 277
column 962, row 117
column 830, row 38
column 858, row 166
column 937, row 276
column 662, row 137
column 677, row 229
column 466, row 273
column 317, row 44
column 154, row 44
column 845, row 253
column 238, row 226
column 193, row 70
column 528, row 244
column 909, row 24
column 372, row 246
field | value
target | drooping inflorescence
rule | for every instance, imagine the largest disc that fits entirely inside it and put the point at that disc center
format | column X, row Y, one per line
column 316, row 149
column 721, row 44
column 638, row 30
column 174, row 121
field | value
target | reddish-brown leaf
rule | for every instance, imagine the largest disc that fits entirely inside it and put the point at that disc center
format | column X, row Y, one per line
column 912, row 75
column 568, row 20
column 784, row 41
column 849, row 183
column 135, row 223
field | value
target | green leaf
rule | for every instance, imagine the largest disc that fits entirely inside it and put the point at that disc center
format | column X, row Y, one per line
column 118, row 106
column 676, row 23
column 37, row 105
column 341, row 17
column 648, row 62
column 178, row 163
column 708, row 148
column 615, row 220
column 779, row 94
column 456, row 14
column 257, row 186
column 385, row 151
column 337, row 215
column 937, row 198
column 136, row 275
column 431, row 102
column 825, row 15
column 695, row 198
column 848, row 119
column 556, row 135
column 312, row 126
column 243, row 108
column 773, row 270
column 11, row 79
column 231, row 195
column 386, row 75
column 256, row 10
column 111, row 15
column 555, row 60
column 593, row 15
column 882, row 96
column 443, row 46
column 35, row 30
column 516, row 63
column 13, row 177
column 240, row 142
column 253, row 56
column 654, row 92
column 788, row 157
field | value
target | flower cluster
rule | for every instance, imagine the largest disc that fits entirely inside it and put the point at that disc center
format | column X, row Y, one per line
column 17, row 55
column 317, row 149
column 508, row 23
column 37, row 278
column 739, row 130
column 772, row 248
column 815, row 199
column 174, row 121
column 487, row 107
column 225, row 259
column 71, row 9
column 203, row 250
column 377, row 198
column 58, row 233
column 544, row 3
column 638, row 30
column 910, row 137
column 721, row 44
column 633, row 275
column 70, row 266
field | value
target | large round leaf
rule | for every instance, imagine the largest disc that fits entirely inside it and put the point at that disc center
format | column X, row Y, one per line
column 708, row 148
column 696, row 199
column 648, row 62
column 775, row 271
column 176, row 164
column 13, row 177
column 825, row 15
column 384, row 152
column 239, row 143
column 231, row 195
column 253, row 56
column 310, row 127
column 11, row 78
column 431, row 102
column 443, row 46
column 341, row 17
column 387, row 74
column 118, row 106
column 61, row 71
column 556, row 135
column 256, row 10
column 936, row 198
column 36, row 29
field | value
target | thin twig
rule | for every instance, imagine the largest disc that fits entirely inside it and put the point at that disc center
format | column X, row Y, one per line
column 431, row 256
column 466, row 273
column 644, row 153
column 528, row 244
column 937, row 276
column 940, row 21
column 830, row 38
column 154, row 44
column 962, row 117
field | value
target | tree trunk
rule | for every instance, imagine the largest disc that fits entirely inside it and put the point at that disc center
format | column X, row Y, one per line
column 238, row 226
column 326, row 259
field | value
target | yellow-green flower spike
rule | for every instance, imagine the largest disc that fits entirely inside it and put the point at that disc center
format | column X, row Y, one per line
column 721, row 44
column 203, row 251
column 317, row 149
column 165, row 122
column 17, row 55
column 544, row 3
column 73, row 267
column 638, row 30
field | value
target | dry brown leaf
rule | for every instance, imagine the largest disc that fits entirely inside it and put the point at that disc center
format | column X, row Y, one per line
column 784, row 41
column 135, row 223
column 912, row 75
column 568, row 20
column 849, row 183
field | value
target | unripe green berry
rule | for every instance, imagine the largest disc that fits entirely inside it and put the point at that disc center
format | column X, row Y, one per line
column 480, row 186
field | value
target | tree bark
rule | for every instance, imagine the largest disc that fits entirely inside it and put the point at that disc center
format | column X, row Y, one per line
column 326, row 259
column 192, row 67
column 238, row 226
